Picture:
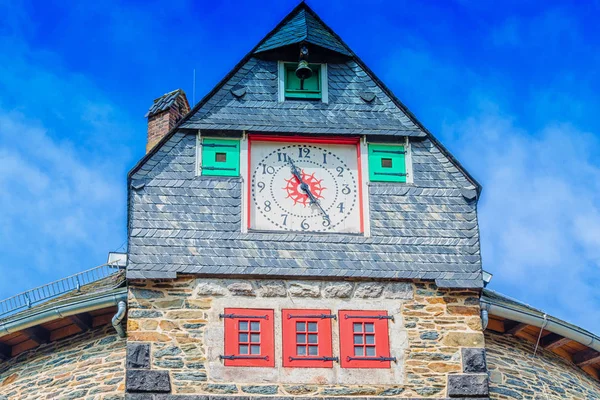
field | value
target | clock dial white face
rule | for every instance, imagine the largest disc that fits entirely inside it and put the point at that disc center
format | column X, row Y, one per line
column 310, row 187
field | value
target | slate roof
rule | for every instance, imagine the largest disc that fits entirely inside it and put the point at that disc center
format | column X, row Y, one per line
column 180, row 223
column 163, row 103
column 303, row 26
column 345, row 114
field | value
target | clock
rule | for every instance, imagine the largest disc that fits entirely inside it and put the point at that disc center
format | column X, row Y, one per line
column 304, row 186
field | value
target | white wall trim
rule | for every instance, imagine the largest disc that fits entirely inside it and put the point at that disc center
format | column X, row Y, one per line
column 408, row 162
column 324, row 84
column 281, row 81
column 198, row 154
column 245, row 178
column 364, row 166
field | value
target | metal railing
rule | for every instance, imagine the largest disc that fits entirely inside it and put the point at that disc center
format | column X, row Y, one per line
column 51, row 290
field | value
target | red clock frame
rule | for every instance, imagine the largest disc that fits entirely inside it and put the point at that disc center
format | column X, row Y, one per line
column 301, row 139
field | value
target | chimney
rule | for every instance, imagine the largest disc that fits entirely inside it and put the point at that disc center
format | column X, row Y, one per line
column 165, row 113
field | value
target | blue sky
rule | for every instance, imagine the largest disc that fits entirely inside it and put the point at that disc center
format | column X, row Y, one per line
column 513, row 92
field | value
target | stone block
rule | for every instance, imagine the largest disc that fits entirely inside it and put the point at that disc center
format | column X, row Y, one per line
column 400, row 290
column 241, row 288
column 138, row 355
column 146, row 293
column 256, row 389
column 140, row 380
column 340, row 290
column 272, row 289
column 368, row 290
column 463, row 339
column 468, row 385
column 210, row 289
column 304, row 289
column 473, row 360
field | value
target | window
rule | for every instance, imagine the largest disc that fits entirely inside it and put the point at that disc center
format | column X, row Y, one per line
column 248, row 337
column 311, row 88
column 364, row 339
column 307, row 338
column 387, row 163
column 220, row 157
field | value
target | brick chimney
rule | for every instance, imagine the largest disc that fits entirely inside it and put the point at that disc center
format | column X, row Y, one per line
column 164, row 114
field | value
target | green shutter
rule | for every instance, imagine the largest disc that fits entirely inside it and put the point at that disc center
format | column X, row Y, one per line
column 220, row 157
column 387, row 163
column 312, row 85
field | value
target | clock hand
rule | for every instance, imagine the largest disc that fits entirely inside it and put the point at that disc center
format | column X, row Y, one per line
column 304, row 186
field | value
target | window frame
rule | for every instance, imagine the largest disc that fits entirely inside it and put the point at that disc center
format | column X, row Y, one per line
column 381, row 338
column 290, row 337
column 324, row 89
column 232, row 333
column 378, row 152
column 208, row 154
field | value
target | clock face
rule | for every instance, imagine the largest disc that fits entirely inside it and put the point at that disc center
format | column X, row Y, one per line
column 310, row 187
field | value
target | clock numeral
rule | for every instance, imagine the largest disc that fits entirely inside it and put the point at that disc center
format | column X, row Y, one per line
column 261, row 186
column 324, row 158
column 284, row 219
column 340, row 171
column 304, row 225
column 341, row 207
column 346, row 189
column 268, row 169
column 267, row 205
column 282, row 157
column 303, row 152
column 326, row 222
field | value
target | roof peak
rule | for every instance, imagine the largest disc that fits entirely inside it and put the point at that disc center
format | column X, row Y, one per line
column 303, row 25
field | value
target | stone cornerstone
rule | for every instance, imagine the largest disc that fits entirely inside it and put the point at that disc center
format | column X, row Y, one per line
column 175, row 337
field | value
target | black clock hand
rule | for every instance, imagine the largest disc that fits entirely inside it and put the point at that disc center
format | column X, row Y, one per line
column 304, row 186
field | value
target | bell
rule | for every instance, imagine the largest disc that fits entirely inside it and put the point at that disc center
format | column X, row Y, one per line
column 303, row 71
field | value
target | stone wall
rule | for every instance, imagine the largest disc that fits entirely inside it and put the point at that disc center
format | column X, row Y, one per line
column 175, row 338
column 516, row 374
column 90, row 365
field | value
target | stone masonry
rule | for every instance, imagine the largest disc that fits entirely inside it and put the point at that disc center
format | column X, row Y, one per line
column 175, row 338
column 515, row 373
column 88, row 366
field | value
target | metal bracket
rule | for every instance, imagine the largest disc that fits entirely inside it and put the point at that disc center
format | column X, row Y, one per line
column 222, row 357
column 219, row 145
column 243, row 316
column 321, row 316
column 390, row 151
column 315, row 359
column 369, row 317
column 371, row 359
column 390, row 173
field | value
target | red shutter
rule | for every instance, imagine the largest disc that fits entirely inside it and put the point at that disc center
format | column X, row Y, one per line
column 249, row 337
column 364, row 339
column 307, row 338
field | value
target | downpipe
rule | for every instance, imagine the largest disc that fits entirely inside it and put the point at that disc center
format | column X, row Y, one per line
column 117, row 319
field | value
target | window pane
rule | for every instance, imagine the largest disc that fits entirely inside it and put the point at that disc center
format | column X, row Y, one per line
column 300, row 338
column 300, row 327
column 312, row 326
column 244, row 349
column 370, row 339
column 370, row 351
column 358, row 351
column 243, row 325
column 313, row 350
column 369, row 327
column 301, row 350
column 243, row 337
column 312, row 338
column 255, row 349
column 385, row 162
column 255, row 325
column 255, row 337
column 357, row 327
column 358, row 339
column 220, row 157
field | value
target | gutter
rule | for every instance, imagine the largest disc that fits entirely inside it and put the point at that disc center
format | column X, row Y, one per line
column 540, row 320
column 72, row 306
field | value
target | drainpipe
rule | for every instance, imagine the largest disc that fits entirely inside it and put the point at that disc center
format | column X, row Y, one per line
column 484, row 315
column 118, row 318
